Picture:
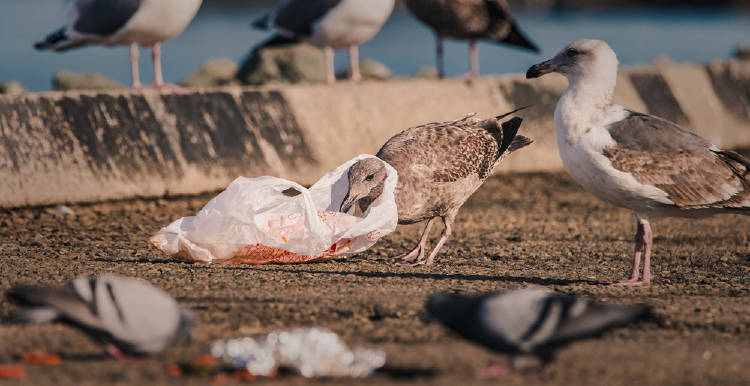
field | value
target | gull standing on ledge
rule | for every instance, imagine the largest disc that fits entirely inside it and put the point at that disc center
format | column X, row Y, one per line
column 470, row 20
column 124, row 22
column 637, row 161
column 439, row 165
column 331, row 24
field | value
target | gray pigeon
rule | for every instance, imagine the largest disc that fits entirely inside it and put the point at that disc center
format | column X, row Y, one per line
column 439, row 166
column 530, row 320
column 470, row 20
column 129, row 316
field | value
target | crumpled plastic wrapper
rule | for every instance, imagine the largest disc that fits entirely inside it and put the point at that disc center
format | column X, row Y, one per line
column 314, row 352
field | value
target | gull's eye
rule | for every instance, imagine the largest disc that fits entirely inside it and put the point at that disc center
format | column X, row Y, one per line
column 571, row 53
column 369, row 177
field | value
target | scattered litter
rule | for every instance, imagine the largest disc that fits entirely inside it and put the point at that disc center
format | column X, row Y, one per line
column 61, row 210
column 263, row 220
column 8, row 371
column 40, row 358
column 313, row 352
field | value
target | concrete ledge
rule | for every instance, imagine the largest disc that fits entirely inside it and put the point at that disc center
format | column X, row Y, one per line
column 73, row 147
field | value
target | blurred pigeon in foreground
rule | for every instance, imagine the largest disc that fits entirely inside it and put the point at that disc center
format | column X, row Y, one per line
column 129, row 316
column 121, row 23
column 527, row 321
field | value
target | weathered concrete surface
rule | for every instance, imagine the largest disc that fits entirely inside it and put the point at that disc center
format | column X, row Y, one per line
column 73, row 147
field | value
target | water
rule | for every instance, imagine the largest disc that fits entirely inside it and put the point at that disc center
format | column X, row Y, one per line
column 404, row 44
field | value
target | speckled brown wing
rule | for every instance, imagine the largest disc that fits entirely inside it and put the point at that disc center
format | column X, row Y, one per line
column 693, row 173
column 462, row 19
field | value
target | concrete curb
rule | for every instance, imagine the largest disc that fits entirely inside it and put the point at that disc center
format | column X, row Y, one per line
column 85, row 146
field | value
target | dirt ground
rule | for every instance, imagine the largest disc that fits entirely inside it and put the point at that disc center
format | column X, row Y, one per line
column 517, row 230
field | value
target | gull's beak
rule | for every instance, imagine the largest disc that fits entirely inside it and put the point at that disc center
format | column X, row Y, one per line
column 349, row 201
column 540, row 69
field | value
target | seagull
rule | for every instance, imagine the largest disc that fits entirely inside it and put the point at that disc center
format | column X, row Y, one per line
column 470, row 20
column 527, row 321
column 331, row 24
column 129, row 316
column 637, row 161
column 124, row 22
column 439, row 166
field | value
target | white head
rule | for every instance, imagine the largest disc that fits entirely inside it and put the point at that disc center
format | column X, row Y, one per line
column 588, row 61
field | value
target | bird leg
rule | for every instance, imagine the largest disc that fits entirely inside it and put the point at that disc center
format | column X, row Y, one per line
column 158, row 76
column 495, row 371
column 440, row 69
column 643, row 242
column 447, row 221
column 118, row 354
column 473, row 59
column 136, row 76
column 330, row 73
column 417, row 253
column 354, row 64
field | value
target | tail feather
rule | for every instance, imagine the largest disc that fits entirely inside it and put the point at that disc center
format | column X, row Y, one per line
column 518, row 142
column 510, row 129
column 52, row 39
column 35, row 315
column 262, row 22
column 517, row 38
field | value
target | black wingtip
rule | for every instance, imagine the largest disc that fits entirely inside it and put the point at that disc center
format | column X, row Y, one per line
column 52, row 39
column 499, row 117
column 517, row 38
column 510, row 129
column 261, row 22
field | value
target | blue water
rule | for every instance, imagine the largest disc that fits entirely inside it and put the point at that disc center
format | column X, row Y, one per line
column 404, row 44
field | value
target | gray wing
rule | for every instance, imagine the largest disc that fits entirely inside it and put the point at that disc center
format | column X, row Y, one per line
column 583, row 318
column 298, row 17
column 103, row 17
column 693, row 172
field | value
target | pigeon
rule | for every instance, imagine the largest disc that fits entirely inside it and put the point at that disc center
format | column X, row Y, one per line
column 470, row 20
column 528, row 321
column 331, row 24
column 439, row 166
column 637, row 161
column 130, row 317
column 121, row 23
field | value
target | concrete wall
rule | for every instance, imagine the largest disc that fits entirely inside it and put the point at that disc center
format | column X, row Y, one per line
column 73, row 147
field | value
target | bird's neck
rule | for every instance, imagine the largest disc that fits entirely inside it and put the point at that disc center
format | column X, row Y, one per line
column 584, row 105
column 592, row 89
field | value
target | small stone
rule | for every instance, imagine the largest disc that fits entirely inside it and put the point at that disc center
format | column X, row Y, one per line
column 67, row 80
column 12, row 87
column 427, row 73
column 742, row 52
column 290, row 63
column 369, row 69
column 213, row 73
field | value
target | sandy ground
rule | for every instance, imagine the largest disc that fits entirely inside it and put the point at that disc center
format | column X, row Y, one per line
column 517, row 230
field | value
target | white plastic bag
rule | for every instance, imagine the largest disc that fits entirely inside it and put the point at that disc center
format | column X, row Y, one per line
column 254, row 222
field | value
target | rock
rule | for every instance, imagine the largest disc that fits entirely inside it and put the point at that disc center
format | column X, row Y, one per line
column 67, row 80
column 427, row 73
column 369, row 69
column 212, row 73
column 291, row 63
column 742, row 52
column 12, row 87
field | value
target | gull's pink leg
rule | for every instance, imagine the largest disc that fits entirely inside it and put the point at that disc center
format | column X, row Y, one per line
column 643, row 242
column 135, row 73
column 474, row 59
column 330, row 73
column 118, row 354
column 447, row 221
column 440, row 69
column 417, row 253
column 158, row 76
column 494, row 371
column 354, row 64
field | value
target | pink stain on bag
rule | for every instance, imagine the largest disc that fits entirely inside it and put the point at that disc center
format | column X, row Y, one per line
column 255, row 221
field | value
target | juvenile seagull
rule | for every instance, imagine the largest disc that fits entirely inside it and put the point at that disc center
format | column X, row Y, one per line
column 128, row 316
column 121, row 23
column 527, row 321
column 331, row 24
column 439, row 166
column 641, row 162
column 470, row 20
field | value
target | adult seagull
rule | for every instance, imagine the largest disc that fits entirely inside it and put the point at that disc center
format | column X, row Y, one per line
column 124, row 22
column 331, row 24
column 641, row 162
column 470, row 20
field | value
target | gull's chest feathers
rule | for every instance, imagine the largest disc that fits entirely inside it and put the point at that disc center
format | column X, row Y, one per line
column 582, row 135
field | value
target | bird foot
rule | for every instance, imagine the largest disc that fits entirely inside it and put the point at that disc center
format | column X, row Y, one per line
column 494, row 371
column 118, row 354
column 175, row 88
column 630, row 283
column 415, row 255
column 414, row 263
